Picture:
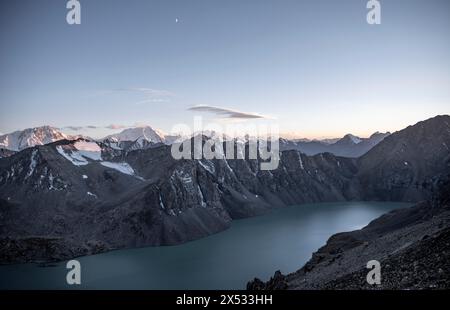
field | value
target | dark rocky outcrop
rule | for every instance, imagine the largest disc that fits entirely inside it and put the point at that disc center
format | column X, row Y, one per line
column 6, row 152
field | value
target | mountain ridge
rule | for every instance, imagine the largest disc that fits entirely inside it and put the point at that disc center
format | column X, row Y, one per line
column 146, row 136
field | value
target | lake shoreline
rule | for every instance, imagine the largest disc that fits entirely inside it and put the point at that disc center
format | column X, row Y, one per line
column 260, row 241
column 65, row 243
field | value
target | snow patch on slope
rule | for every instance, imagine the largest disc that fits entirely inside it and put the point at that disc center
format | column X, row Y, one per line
column 81, row 152
column 355, row 139
column 74, row 157
column 300, row 161
column 89, row 150
column 208, row 166
column 91, row 194
column 33, row 163
column 121, row 167
column 161, row 203
column 202, row 199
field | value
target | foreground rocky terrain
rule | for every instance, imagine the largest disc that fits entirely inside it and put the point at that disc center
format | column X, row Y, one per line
column 79, row 197
column 412, row 246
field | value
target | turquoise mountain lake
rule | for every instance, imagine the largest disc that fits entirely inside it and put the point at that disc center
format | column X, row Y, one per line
column 255, row 247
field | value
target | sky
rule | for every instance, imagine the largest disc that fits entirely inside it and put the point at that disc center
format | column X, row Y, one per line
column 317, row 68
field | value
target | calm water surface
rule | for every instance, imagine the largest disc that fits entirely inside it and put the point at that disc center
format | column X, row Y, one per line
column 255, row 247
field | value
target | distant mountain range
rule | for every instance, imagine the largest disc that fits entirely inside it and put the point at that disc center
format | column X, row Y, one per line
column 348, row 146
column 78, row 197
column 133, row 138
column 146, row 136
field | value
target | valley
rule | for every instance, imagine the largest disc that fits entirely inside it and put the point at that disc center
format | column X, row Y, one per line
column 72, row 198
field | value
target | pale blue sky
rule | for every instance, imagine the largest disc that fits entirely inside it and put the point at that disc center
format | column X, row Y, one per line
column 315, row 66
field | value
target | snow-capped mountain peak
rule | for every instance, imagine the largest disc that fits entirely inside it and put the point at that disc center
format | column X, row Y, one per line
column 352, row 138
column 139, row 134
column 22, row 139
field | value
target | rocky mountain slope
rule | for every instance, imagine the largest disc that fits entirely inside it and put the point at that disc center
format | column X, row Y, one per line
column 407, row 163
column 79, row 201
column 71, row 198
column 412, row 246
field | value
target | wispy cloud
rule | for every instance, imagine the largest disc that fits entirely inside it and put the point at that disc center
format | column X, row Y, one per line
column 80, row 128
column 227, row 113
column 116, row 126
column 150, row 95
column 73, row 128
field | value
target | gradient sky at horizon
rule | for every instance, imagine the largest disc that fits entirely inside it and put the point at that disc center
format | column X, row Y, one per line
column 315, row 66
